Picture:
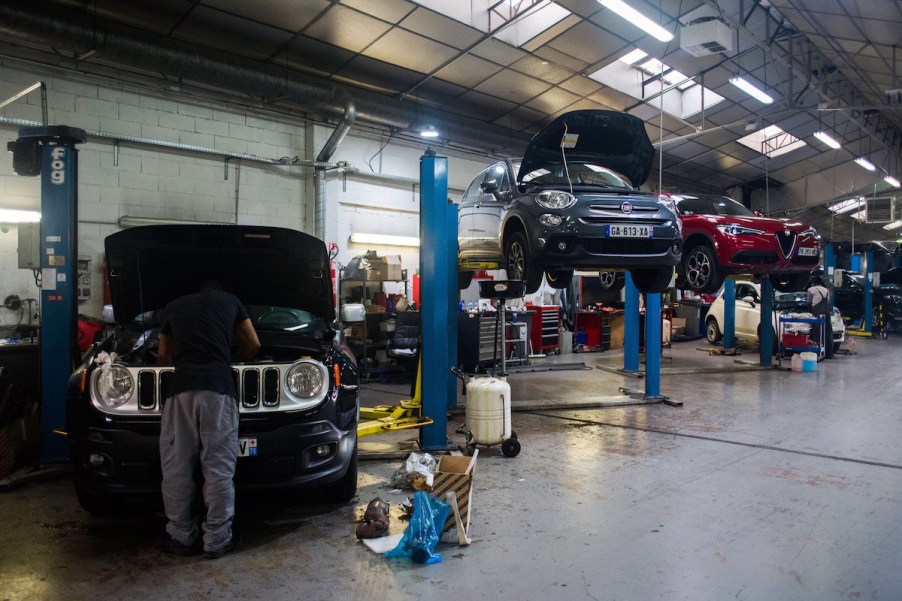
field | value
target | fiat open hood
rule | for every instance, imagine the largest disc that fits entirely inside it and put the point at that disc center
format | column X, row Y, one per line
column 150, row 266
column 610, row 139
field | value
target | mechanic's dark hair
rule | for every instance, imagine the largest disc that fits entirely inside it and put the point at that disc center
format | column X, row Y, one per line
column 212, row 285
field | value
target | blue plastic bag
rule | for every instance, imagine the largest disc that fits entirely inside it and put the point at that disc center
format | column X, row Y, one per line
column 421, row 536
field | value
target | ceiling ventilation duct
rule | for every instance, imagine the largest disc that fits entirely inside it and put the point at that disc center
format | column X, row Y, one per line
column 706, row 36
column 879, row 209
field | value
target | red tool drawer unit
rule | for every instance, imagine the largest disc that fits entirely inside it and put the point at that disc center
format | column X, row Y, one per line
column 546, row 329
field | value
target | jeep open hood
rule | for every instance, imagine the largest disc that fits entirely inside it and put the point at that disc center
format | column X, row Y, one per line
column 150, row 266
column 611, row 139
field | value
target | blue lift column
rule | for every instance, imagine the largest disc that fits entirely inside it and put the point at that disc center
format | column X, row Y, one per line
column 630, row 325
column 729, row 314
column 766, row 344
column 59, row 252
column 653, row 346
column 438, row 259
column 830, row 267
column 868, row 292
column 631, row 333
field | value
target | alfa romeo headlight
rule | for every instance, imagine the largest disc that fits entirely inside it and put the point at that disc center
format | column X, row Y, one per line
column 115, row 386
column 307, row 380
column 554, row 199
column 738, row 230
column 810, row 232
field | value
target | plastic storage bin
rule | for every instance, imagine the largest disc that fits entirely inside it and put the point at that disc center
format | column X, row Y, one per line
column 809, row 361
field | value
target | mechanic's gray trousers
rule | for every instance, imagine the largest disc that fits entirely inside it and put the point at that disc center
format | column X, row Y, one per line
column 199, row 425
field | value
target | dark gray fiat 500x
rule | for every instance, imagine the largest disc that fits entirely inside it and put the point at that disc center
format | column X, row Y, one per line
column 299, row 400
column 572, row 203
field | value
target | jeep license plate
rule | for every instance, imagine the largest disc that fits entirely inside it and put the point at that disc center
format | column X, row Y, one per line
column 809, row 251
column 630, row 231
column 247, row 447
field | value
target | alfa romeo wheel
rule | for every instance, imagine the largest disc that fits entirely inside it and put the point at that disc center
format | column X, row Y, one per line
column 611, row 280
column 700, row 268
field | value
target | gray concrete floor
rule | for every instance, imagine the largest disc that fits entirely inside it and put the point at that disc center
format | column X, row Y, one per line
column 765, row 485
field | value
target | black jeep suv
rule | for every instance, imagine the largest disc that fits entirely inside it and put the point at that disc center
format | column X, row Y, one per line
column 299, row 399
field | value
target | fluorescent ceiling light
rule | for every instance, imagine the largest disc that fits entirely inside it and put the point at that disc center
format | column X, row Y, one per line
column 19, row 216
column 827, row 139
column 634, row 57
column 892, row 181
column 866, row 164
column 894, row 225
column 385, row 239
column 638, row 19
column 429, row 132
column 846, row 205
column 751, row 90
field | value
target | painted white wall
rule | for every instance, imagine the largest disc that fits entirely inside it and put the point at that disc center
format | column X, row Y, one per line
column 146, row 181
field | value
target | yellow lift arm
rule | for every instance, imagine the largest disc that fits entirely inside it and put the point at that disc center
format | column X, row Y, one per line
column 385, row 418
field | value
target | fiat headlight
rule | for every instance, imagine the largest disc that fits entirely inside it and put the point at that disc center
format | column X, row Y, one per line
column 306, row 380
column 115, row 385
column 738, row 230
column 554, row 199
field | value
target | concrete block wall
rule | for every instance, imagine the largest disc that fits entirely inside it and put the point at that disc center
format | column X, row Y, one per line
column 148, row 181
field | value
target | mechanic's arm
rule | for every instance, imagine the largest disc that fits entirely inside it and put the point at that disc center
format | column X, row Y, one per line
column 166, row 350
column 248, row 343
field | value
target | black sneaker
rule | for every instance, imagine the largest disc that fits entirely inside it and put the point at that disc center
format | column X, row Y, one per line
column 230, row 546
column 167, row 544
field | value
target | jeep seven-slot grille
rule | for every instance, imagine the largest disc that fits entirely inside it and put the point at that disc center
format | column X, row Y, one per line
column 255, row 386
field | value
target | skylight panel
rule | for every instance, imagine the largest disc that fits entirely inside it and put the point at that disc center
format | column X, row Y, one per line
column 771, row 141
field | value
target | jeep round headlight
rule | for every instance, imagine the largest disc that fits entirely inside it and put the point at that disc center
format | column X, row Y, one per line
column 306, row 380
column 554, row 199
column 115, row 386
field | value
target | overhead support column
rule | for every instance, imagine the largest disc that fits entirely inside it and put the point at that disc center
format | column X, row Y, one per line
column 766, row 343
column 438, row 256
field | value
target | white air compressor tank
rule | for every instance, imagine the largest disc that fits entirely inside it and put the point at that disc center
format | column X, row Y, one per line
column 489, row 414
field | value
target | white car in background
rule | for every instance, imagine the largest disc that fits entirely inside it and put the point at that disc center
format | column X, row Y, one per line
column 748, row 314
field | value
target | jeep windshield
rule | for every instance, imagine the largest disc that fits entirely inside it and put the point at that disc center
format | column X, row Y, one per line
column 285, row 319
column 576, row 174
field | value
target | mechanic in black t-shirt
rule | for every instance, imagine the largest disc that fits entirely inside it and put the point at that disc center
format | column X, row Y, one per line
column 200, row 419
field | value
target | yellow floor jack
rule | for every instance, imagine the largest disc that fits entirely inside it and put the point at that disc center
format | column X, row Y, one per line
column 387, row 418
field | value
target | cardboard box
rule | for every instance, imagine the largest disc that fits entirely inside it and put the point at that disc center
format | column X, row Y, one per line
column 357, row 330
column 375, row 308
column 678, row 322
column 453, row 482
column 392, row 267
column 20, row 440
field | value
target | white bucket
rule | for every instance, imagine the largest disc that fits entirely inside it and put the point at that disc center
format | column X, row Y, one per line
column 489, row 410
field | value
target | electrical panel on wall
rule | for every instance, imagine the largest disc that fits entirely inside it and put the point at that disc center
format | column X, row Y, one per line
column 29, row 245
column 84, row 278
